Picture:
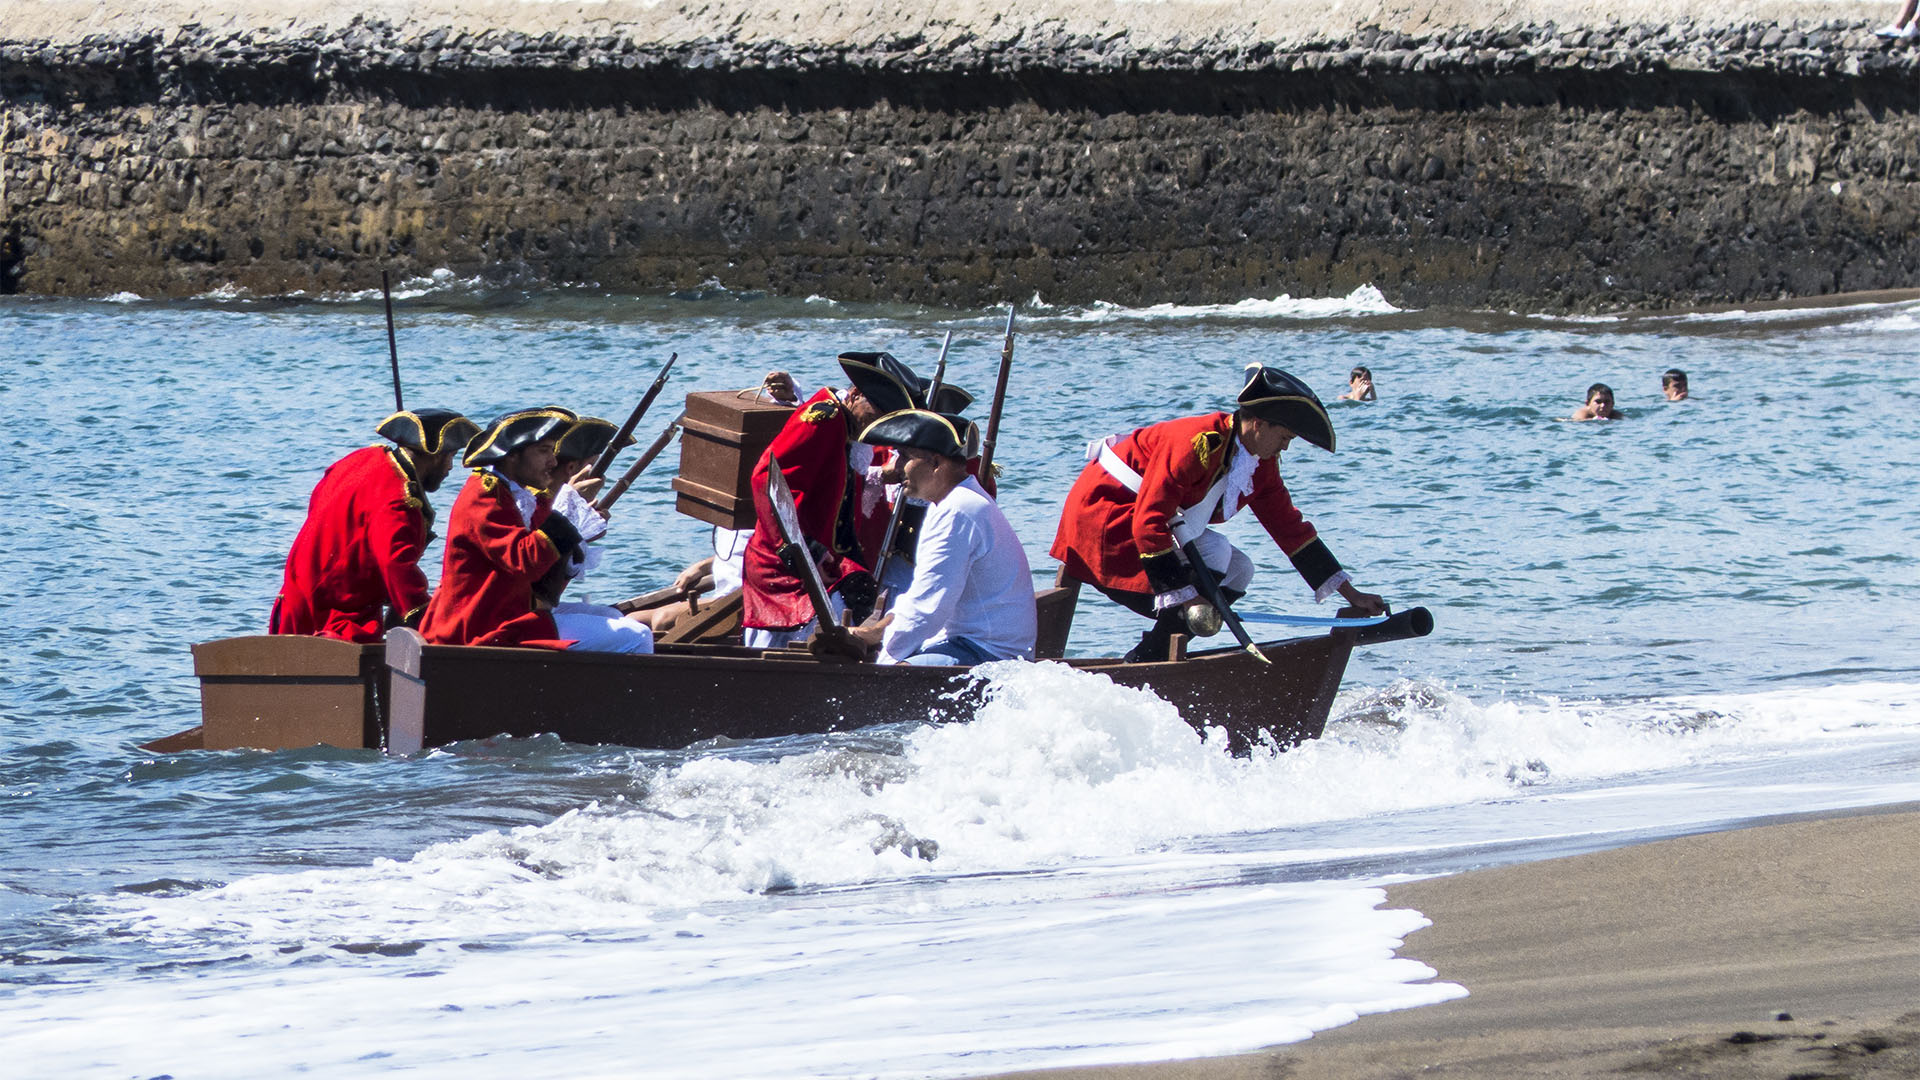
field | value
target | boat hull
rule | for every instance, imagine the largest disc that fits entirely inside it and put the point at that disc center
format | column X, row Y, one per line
column 284, row 692
column 446, row 693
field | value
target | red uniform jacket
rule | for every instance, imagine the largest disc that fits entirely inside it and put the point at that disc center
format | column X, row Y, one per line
column 1106, row 530
column 812, row 449
column 357, row 553
column 491, row 565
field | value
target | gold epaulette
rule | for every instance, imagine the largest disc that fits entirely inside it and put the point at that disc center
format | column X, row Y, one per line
column 416, row 498
column 821, row 411
column 488, row 480
column 1206, row 445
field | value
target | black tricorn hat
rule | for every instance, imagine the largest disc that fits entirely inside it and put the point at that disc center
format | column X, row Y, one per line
column 950, row 399
column 588, row 438
column 427, row 431
column 1279, row 398
column 883, row 380
column 515, row 430
column 940, row 433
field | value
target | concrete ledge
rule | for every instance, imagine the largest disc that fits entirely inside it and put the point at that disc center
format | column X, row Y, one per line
column 1534, row 156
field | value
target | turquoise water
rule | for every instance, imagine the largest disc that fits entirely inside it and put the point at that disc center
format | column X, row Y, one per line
column 1717, row 596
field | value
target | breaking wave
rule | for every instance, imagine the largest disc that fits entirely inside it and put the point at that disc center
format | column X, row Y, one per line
column 1057, row 766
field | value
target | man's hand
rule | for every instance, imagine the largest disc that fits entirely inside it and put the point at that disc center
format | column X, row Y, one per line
column 869, row 633
column 1365, row 601
column 778, row 385
column 691, row 575
column 588, row 486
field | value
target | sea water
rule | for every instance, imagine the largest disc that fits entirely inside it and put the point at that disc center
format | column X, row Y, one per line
column 1699, row 616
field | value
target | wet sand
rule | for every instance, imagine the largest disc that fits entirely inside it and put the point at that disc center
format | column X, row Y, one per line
column 1788, row 951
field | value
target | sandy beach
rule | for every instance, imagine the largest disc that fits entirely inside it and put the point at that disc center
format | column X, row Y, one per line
column 1786, row 950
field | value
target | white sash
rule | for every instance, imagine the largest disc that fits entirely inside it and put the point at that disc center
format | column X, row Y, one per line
column 1187, row 523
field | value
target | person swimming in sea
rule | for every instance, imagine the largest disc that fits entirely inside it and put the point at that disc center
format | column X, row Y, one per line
column 1359, row 386
column 1674, row 384
column 1599, row 405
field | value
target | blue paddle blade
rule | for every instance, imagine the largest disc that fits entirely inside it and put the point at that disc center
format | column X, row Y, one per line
column 1309, row 620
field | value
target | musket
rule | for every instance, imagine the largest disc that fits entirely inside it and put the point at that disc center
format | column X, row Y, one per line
column 999, row 401
column 393, row 350
column 634, row 470
column 1209, row 589
column 899, row 504
column 605, row 460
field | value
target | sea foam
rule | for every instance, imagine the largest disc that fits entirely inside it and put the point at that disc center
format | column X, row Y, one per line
column 1057, row 766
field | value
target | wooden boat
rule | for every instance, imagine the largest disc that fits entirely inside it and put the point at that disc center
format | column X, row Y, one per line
column 285, row 692
column 690, row 693
column 405, row 695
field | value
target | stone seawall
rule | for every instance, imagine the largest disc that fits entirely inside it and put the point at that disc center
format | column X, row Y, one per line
column 1533, row 167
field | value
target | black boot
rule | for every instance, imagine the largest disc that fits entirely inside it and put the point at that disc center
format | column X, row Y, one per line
column 1155, row 642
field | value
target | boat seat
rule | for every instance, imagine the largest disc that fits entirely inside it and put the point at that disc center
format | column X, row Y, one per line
column 1053, row 616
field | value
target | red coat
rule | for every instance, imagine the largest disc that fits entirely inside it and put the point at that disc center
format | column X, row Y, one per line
column 491, row 565
column 1106, row 529
column 358, row 552
column 812, row 448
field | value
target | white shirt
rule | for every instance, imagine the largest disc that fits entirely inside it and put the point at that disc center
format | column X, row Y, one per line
column 970, row 580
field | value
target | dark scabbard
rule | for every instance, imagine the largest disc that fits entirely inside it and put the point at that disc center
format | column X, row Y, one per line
column 634, row 470
column 1209, row 588
column 605, row 460
column 999, row 401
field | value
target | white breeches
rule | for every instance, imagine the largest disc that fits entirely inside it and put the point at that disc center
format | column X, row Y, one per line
column 1229, row 563
column 598, row 628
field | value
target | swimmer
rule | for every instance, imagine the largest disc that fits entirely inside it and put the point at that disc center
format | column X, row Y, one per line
column 1674, row 384
column 1360, row 386
column 1599, row 405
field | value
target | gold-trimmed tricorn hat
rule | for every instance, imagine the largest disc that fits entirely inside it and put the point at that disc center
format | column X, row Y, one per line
column 427, row 431
column 939, row 433
column 883, row 380
column 950, row 400
column 1279, row 398
column 588, row 438
column 514, row 430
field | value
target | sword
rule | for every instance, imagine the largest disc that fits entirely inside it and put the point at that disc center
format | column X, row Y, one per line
column 1209, row 589
column 833, row 640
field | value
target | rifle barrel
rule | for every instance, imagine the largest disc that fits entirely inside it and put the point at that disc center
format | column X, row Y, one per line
column 605, row 461
column 634, row 470
column 999, row 401
column 893, row 518
column 393, row 349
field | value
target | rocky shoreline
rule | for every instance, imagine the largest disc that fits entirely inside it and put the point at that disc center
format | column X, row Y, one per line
column 1537, row 167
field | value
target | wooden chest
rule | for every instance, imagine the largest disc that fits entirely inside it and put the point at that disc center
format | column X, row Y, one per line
column 726, row 431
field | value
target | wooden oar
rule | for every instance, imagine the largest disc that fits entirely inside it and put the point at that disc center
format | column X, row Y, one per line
column 999, row 401
column 393, row 350
column 1209, row 588
column 634, row 470
column 899, row 504
column 605, row 460
column 668, row 595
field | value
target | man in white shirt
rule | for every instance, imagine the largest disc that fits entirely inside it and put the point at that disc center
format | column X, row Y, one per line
column 971, row 599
